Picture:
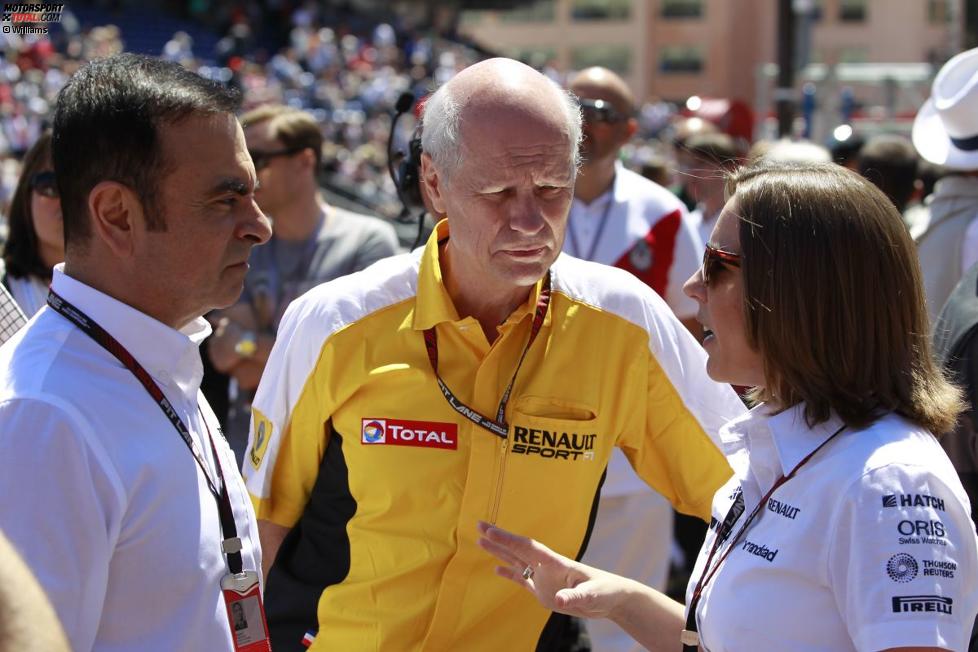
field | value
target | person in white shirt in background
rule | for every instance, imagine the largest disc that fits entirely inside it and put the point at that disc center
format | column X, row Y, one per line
column 118, row 488
column 845, row 526
column 622, row 219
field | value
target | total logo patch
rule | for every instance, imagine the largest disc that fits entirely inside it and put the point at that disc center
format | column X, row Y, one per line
column 400, row 432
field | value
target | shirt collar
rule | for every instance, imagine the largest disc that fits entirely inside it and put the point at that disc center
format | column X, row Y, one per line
column 435, row 306
column 170, row 356
column 775, row 443
column 794, row 439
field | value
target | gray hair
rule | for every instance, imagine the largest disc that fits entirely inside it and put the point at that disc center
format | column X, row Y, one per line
column 442, row 117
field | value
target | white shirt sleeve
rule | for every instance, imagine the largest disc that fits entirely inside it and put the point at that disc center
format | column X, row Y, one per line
column 903, row 562
column 687, row 255
column 683, row 361
column 62, row 507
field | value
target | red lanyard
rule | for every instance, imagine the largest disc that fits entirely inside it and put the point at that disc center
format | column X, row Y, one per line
column 722, row 532
column 231, row 544
column 498, row 425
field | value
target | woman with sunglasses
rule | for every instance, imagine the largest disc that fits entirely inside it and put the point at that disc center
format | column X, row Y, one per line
column 35, row 241
column 844, row 526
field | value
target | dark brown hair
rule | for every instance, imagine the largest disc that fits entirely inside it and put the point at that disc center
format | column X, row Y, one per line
column 833, row 298
column 108, row 125
column 717, row 149
column 293, row 127
column 889, row 161
column 22, row 253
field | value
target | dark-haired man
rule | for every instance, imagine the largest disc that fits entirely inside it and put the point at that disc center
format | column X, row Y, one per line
column 117, row 486
column 314, row 242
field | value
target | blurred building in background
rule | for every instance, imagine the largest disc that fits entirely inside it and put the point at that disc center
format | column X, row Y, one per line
column 674, row 49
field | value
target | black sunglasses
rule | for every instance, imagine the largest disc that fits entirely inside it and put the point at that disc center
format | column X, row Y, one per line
column 714, row 259
column 263, row 159
column 601, row 111
column 45, row 184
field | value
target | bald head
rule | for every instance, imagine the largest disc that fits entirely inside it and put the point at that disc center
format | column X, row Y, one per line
column 599, row 83
column 609, row 123
column 494, row 91
column 495, row 80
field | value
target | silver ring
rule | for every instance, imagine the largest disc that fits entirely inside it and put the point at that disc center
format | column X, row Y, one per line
column 527, row 572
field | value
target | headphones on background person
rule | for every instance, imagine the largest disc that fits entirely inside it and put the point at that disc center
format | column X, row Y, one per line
column 409, row 174
column 405, row 168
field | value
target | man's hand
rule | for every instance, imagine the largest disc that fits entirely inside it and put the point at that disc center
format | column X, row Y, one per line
column 221, row 346
column 244, row 363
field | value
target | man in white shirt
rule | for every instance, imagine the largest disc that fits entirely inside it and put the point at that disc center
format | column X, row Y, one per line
column 622, row 219
column 117, row 486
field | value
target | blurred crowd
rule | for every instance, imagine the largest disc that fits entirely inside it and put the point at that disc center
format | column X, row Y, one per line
column 318, row 100
column 349, row 80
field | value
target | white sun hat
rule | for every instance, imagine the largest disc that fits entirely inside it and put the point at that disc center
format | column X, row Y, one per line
column 945, row 130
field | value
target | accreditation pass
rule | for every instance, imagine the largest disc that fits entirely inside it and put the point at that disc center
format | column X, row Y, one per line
column 246, row 614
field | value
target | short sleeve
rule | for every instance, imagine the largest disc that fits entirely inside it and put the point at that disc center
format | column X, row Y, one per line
column 289, row 422
column 678, row 450
column 63, row 504
column 902, row 561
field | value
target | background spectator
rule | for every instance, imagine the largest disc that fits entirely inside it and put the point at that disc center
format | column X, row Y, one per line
column 890, row 162
column 711, row 157
column 35, row 243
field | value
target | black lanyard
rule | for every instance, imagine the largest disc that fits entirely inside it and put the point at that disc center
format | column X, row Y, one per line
column 597, row 236
column 231, row 544
column 690, row 638
column 498, row 425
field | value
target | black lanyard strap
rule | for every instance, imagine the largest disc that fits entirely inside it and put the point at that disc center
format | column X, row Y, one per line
column 690, row 637
column 498, row 425
column 231, row 544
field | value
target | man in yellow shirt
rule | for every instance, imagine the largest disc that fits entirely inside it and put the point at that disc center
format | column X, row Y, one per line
column 484, row 377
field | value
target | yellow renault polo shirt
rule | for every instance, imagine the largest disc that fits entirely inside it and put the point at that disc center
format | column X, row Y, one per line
column 355, row 448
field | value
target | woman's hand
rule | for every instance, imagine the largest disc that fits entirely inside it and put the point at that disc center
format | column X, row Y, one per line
column 559, row 583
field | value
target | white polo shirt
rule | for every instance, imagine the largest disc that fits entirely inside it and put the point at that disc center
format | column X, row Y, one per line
column 100, row 494
column 640, row 226
column 870, row 546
